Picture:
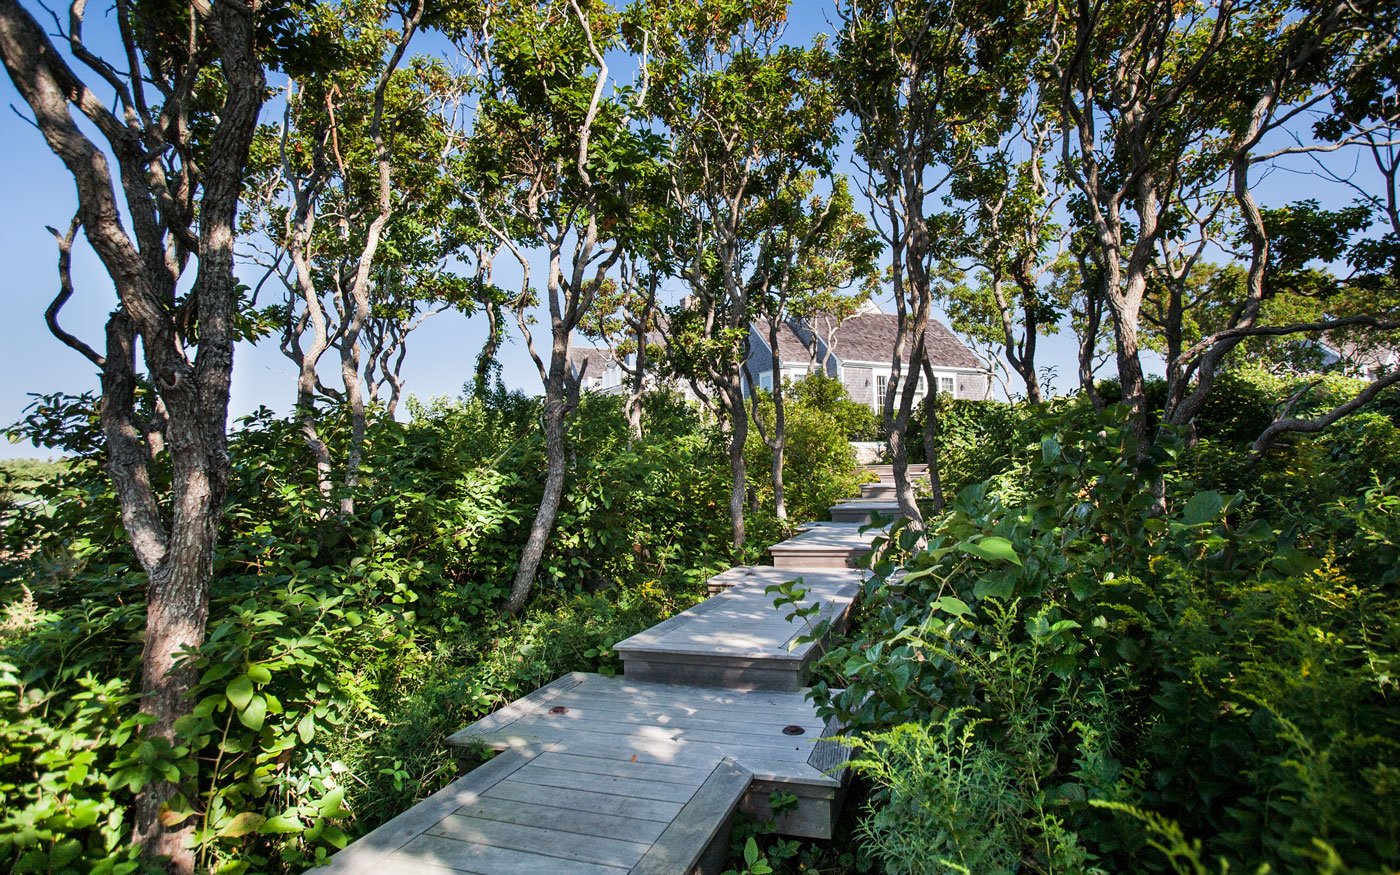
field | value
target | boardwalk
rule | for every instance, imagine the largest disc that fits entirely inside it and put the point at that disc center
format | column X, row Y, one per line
column 641, row 774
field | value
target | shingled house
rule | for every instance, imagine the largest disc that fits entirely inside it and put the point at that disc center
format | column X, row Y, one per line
column 858, row 351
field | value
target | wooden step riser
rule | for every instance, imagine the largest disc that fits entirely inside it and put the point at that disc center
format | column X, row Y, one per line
column 730, row 677
column 877, row 491
column 815, row 560
column 855, row 515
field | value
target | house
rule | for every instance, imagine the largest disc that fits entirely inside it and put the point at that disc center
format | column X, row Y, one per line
column 600, row 369
column 605, row 375
column 858, row 350
column 1362, row 361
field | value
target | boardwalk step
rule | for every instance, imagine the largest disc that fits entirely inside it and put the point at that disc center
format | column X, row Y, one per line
column 737, row 639
column 886, row 472
column 831, row 546
column 860, row 511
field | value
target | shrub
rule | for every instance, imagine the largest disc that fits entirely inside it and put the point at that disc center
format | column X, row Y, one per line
column 1224, row 667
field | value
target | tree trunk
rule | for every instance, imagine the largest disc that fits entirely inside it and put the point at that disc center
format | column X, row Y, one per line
column 779, row 500
column 543, row 526
column 738, row 436
column 354, row 395
column 935, row 477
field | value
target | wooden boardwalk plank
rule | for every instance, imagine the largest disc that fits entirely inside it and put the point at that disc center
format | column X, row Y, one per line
column 549, row 841
column 370, row 851
column 584, row 800
column 608, row 826
column 741, row 726
column 487, row 860
column 695, row 751
column 621, row 768
column 701, row 821
column 634, row 788
column 662, row 714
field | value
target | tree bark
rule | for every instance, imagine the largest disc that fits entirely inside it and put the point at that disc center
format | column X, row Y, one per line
column 548, row 511
column 935, row 476
column 178, row 559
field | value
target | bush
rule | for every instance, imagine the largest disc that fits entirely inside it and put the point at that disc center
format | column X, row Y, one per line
column 818, row 462
column 340, row 653
column 1105, row 671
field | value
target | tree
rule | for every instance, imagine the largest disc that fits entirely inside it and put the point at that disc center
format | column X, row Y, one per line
column 1010, row 229
column 348, row 189
column 186, row 96
column 745, row 114
column 553, row 164
column 811, row 249
column 926, row 83
column 625, row 317
column 1165, row 119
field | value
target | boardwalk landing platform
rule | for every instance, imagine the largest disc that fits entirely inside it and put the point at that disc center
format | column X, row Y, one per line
column 641, row 775
column 833, row 545
column 606, row 776
column 737, row 639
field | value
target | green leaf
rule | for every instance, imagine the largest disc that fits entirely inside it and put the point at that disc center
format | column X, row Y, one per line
column 1202, row 508
column 259, row 674
column 282, row 823
column 306, row 727
column 992, row 549
column 240, row 692
column 750, row 852
column 951, row 605
column 242, row 825
column 254, row 714
column 329, row 806
column 995, row 587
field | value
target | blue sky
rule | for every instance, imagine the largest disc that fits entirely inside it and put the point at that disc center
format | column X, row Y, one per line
column 35, row 190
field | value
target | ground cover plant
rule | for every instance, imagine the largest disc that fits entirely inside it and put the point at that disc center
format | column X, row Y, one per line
column 1065, row 681
column 342, row 651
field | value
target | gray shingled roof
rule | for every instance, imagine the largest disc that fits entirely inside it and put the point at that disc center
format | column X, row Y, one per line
column 597, row 360
column 869, row 337
column 791, row 349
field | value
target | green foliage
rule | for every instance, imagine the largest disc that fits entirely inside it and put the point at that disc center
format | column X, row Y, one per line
column 1087, row 678
column 821, row 392
column 819, row 463
column 340, row 652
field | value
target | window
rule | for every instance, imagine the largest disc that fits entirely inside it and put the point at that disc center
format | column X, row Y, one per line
column 945, row 385
column 881, row 384
column 765, row 380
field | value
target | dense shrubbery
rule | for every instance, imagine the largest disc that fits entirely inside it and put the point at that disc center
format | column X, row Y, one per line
column 1078, row 675
column 819, row 464
column 1067, row 679
column 340, row 652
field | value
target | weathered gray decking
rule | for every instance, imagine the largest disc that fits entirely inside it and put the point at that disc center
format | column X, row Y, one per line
column 538, row 811
column 618, row 732
column 829, row 546
column 861, row 511
column 737, row 639
column 640, row 775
